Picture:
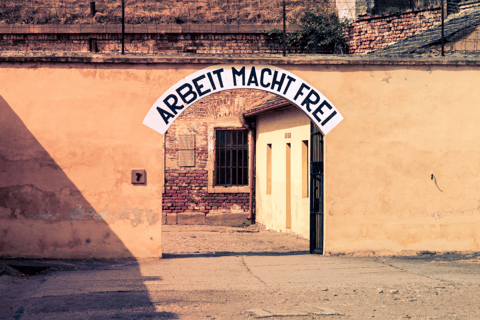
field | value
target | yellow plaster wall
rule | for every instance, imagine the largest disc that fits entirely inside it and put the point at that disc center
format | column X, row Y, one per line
column 402, row 124
column 71, row 134
column 271, row 209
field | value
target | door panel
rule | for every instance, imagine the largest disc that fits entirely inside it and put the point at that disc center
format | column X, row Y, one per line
column 316, row 190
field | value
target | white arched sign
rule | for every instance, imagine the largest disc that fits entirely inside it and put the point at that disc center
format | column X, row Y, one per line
column 225, row 77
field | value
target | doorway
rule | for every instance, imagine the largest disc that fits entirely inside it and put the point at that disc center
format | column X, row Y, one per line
column 316, row 190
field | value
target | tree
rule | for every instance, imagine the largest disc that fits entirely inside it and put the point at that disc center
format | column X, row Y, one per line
column 319, row 33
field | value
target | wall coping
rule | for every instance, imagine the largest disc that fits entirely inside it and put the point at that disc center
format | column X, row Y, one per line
column 140, row 28
column 397, row 14
column 270, row 59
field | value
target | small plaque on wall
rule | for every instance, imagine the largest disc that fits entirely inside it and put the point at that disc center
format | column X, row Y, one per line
column 186, row 158
column 186, row 150
column 139, row 176
column 186, row 141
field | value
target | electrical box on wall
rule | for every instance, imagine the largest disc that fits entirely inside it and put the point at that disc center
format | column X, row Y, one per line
column 139, row 176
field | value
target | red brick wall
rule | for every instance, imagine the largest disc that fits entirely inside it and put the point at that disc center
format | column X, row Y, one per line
column 371, row 33
column 365, row 34
column 186, row 188
column 233, row 43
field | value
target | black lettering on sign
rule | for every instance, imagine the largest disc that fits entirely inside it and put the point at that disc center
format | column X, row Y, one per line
column 324, row 122
column 262, row 77
column 165, row 115
column 172, row 105
column 235, row 73
column 218, row 72
column 290, row 80
column 319, row 110
column 278, row 83
column 209, row 75
column 189, row 92
column 253, row 77
column 308, row 100
column 299, row 92
column 199, row 87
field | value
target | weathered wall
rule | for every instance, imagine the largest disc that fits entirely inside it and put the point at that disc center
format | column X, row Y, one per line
column 230, row 39
column 403, row 122
column 401, row 125
column 465, row 41
column 271, row 208
column 365, row 34
column 141, row 43
column 351, row 9
column 371, row 33
column 190, row 195
column 235, row 12
column 455, row 6
column 71, row 134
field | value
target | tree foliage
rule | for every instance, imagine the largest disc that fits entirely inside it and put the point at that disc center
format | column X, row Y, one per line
column 319, row 33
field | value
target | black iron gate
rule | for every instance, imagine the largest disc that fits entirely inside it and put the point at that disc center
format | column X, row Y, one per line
column 316, row 190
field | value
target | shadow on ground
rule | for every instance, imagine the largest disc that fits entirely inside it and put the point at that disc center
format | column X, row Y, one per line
column 44, row 214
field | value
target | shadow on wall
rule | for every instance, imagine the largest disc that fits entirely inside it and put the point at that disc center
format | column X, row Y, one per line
column 44, row 215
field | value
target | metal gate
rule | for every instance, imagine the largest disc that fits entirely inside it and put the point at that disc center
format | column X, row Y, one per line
column 316, row 190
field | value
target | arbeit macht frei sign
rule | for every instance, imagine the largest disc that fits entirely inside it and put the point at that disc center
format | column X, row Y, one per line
column 224, row 77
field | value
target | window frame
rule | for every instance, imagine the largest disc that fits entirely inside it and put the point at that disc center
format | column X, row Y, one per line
column 212, row 166
column 233, row 166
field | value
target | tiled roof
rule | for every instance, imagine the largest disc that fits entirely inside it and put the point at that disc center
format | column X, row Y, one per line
column 268, row 105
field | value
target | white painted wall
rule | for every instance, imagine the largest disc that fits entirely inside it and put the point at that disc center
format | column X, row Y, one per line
column 271, row 209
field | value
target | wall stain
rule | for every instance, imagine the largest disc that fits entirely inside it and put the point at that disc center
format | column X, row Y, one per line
column 79, row 213
column 49, row 215
column 29, row 202
column 438, row 215
column 135, row 215
column 388, row 77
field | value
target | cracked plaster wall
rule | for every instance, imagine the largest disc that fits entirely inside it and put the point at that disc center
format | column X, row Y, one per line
column 82, row 135
column 401, row 125
column 71, row 134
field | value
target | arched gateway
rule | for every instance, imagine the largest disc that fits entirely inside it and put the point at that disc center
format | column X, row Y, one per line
column 224, row 77
column 316, row 106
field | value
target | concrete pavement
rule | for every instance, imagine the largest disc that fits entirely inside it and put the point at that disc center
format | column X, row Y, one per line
column 247, row 285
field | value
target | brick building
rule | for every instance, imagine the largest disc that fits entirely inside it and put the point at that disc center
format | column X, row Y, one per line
column 207, row 154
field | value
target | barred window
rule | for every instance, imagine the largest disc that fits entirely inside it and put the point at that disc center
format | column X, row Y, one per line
column 231, row 157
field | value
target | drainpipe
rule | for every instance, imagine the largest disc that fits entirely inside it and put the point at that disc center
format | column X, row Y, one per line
column 251, row 215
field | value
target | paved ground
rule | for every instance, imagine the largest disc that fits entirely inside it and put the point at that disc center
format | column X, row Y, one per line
column 229, row 273
column 181, row 241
